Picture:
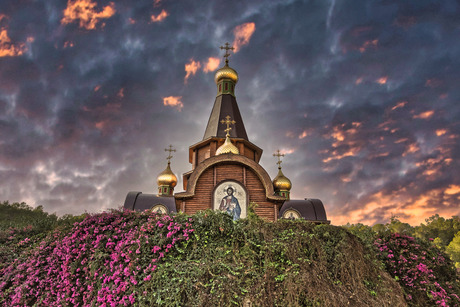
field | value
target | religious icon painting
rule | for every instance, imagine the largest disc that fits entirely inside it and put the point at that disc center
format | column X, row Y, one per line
column 291, row 214
column 159, row 209
column 231, row 197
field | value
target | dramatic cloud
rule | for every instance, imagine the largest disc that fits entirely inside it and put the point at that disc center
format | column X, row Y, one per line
column 211, row 65
column 363, row 100
column 173, row 101
column 243, row 35
column 191, row 68
column 7, row 48
column 84, row 11
column 159, row 17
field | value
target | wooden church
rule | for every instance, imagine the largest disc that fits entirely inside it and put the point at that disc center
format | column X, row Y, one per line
column 226, row 174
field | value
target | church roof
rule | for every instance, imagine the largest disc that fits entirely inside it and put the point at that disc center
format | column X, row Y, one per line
column 309, row 209
column 225, row 105
column 139, row 202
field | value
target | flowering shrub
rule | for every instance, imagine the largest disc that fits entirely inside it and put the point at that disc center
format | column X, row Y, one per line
column 421, row 268
column 100, row 262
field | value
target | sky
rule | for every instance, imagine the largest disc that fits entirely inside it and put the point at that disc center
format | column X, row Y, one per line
column 361, row 96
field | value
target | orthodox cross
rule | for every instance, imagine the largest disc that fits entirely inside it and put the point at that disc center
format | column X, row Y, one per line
column 228, row 121
column 227, row 48
column 170, row 149
column 278, row 155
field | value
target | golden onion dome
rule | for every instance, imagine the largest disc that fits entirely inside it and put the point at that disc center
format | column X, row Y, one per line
column 227, row 147
column 167, row 177
column 226, row 72
column 281, row 182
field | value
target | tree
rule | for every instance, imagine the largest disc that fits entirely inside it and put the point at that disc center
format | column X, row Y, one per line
column 453, row 249
column 439, row 227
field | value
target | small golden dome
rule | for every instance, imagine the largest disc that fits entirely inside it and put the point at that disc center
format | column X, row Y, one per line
column 281, row 182
column 167, row 177
column 227, row 147
column 226, row 72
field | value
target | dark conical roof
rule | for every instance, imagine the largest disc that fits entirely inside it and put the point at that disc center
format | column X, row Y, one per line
column 225, row 105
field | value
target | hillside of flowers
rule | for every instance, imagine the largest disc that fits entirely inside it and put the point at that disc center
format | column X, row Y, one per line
column 125, row 258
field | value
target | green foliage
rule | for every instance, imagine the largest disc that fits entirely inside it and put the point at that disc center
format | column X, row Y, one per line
column 453, row 250
column 438, row 227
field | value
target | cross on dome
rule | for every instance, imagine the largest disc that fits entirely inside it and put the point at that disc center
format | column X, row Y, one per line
column 170, row 149
column 278, row 154
column 228, row 121
column 227, row 48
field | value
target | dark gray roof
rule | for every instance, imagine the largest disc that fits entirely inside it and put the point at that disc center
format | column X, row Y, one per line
column 140, row 202
column 225, row 105
column 309, row 209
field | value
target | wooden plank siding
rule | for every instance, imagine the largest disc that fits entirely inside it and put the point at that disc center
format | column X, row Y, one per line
column 212, row 176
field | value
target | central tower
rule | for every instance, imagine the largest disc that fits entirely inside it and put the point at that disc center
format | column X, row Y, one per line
column 225, row 161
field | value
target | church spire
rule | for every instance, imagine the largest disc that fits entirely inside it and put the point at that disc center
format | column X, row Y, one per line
column 225, row 103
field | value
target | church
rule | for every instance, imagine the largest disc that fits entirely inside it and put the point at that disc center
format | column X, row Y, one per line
column 226, row 174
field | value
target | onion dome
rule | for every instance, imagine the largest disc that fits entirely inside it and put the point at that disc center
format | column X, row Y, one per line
column 167, row 177
column 226, row 72
column 281, row 182
column 227, row 147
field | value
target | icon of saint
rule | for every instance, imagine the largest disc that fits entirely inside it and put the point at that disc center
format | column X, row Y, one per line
column 230, row 204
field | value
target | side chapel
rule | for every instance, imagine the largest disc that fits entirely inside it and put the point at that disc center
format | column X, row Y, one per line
column 226, row 174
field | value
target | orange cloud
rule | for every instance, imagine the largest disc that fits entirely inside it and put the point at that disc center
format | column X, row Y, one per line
column 359, row 80
column 211, row 65
column 191, row 68
column 85, row 12
column 121, row 93
column 433, row 83
column 412, row 148
column 156, row 3
column 287, row 151
column 425, row 115
column 173, row 101
column 399, row 105
column 382, row 80
column 440, row 132
column 452, row 189
column 68, row 44
column 368, row 44
column 159, row 17
column 243, row 34
column 7, row 48
column 303, row 135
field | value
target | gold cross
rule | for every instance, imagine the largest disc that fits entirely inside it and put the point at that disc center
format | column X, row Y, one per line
column 170, row 149
column 227, row 48
column 228, row 121
column 279, row 155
